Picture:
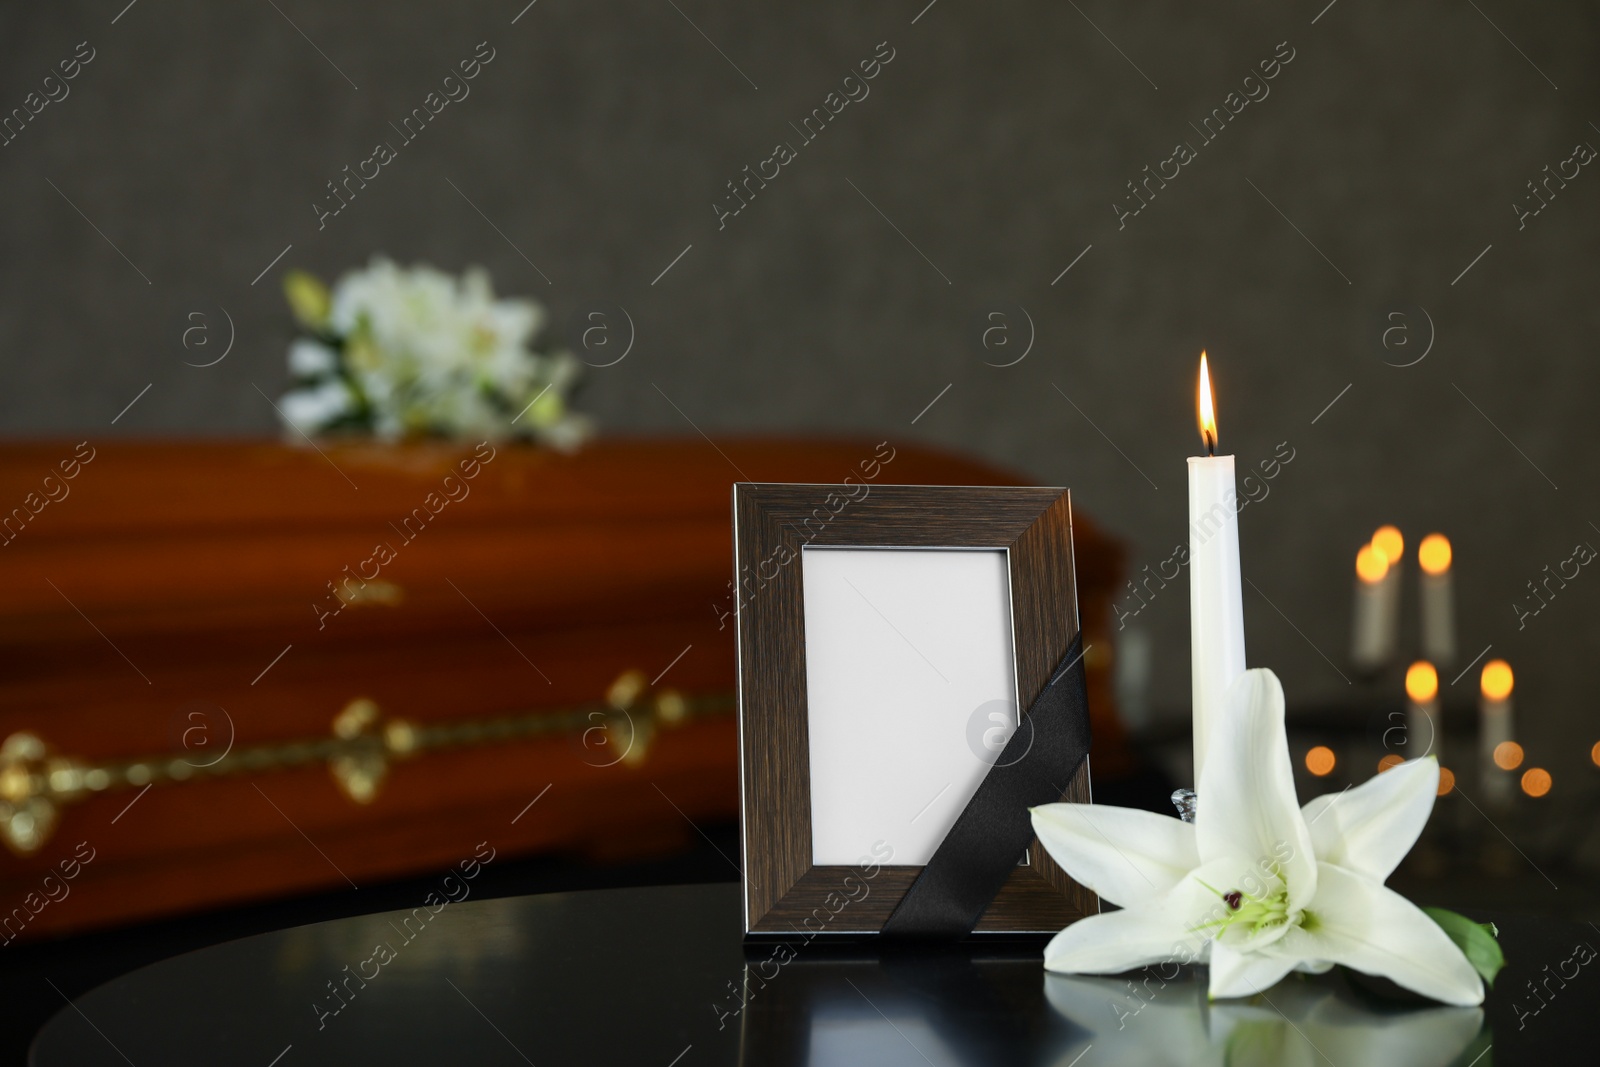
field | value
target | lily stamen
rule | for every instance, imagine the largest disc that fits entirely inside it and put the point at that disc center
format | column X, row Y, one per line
column 1256, row 913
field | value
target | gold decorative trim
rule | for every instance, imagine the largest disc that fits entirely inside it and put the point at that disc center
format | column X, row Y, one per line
column 35, row 783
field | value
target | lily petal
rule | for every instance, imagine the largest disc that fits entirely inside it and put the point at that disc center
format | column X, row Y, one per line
column 1127, row 856
column 1119, row 941
column 1356, row 921
column 1369, row 829
column 1247, row 807
column 1244, row 974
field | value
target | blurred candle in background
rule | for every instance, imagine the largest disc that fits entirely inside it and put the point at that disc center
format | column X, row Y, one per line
column 1438, row 599
column 1376, row 612
column 1498, row 752
column 1387, row 540
column 1424, row 730
column 1132, row 667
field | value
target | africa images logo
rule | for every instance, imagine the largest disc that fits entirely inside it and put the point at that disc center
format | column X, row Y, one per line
column 990, row 728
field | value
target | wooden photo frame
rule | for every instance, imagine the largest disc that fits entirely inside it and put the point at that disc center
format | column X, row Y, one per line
column 971, row 573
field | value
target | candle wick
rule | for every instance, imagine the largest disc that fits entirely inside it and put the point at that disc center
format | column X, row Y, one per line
column 1211, row 444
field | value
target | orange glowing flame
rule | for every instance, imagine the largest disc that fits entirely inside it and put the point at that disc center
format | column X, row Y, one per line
column 1371, row 565
column 1496, row 680
column 1422, row 682
column 1208, row 410
column 1389, row 541
column 1434, row 554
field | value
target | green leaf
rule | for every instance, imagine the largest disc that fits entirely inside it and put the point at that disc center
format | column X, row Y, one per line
column 1475, row 940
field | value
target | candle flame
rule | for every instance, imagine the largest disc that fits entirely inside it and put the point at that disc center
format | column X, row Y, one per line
column 1497, row 680
column 1434, row 554
column 1422, row 682
column 1208, row 409
column 1391, row 543
column 1371, row 565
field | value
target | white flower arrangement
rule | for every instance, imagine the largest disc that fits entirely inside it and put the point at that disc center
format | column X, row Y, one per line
column 405, row 352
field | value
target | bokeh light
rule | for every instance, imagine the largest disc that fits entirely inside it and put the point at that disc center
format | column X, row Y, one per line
column 1371, row 565
column 1320, row 761
column 1447, row 780
column 1388, row 541
column 1422, row 681
column 1433, row 555
column 1389, row 762
column 1536, row 781
column 1508, row 755
column 1497, row 680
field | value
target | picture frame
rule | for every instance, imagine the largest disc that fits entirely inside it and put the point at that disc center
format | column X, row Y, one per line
column 784, row 531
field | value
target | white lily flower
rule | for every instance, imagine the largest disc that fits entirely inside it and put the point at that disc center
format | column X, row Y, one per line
column 1257, row 886
column 312, row 359
column 430, row 353
column 314, row 408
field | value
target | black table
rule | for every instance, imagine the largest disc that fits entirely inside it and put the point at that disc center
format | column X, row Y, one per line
column 660, row 977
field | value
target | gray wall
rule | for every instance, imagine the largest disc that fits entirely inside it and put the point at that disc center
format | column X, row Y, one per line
column 996, row 141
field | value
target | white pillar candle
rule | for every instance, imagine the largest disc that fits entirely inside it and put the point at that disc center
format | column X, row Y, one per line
column 1216, row 598
column 1424, row 723
column 1498, row 753
column 1438, row 599
column 1388, row 540
column 1373, row 619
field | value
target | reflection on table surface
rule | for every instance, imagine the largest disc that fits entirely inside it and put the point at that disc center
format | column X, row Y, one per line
column 954, row 1008
column 1304, row 1020
column 640, row 976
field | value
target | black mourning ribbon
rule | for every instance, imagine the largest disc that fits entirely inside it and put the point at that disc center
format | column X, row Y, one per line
column 992, row 832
